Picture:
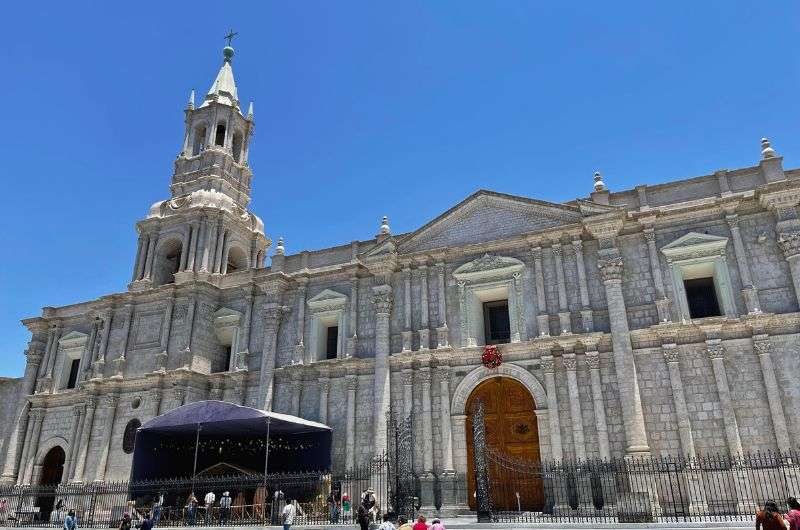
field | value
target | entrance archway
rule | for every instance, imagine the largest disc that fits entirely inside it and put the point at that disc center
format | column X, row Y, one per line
column 52, row 473
column 512, row 430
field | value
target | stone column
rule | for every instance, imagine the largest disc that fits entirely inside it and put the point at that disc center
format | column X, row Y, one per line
column 542, row 319
column 427, row 480
column 56, row 330
column 156, row 395
column 98, row 366
column 662, row 302
column 408, row 392
column 299, row 348
column 442, row 331
column 763, row 348
column 630, row 400
column 37, row 418
column 85, row 438
column 593, row 363
column 587, row 318
column 33, row 415
column 576, row 419
column 744, row 492
column 352, row 341
column 126, row 330
column 220, row 247
column 14, row 445
column 697, row 494
column 244, row 334
column 88, row 350
column 166, row 330
column 424, row 327
column 548, row 367
column 407, row 334
column 382, row 298
column 350, row 442
column 192, row 263
column 137, row 267
column 272, row 319
column 790, row 244
column 295, row 384
column 105, row 443
column 447, row 480
column 324, row 389
column 208, row 234
column 75, row 432
column 749, row 291
column 186, row 242
column 563, row 308
column 151, row 254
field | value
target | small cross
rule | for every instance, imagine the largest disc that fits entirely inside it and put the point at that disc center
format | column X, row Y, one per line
column 230, row 36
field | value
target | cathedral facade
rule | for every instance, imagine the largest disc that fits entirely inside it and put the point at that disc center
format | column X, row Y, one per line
column 653, row 321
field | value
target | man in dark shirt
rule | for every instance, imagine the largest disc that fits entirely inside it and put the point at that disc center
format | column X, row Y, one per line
column 147, row 523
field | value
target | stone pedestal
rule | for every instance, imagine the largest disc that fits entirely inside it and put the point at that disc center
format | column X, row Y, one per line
column 427, row 493
column 407, row 337
column 564, row 323
column 543, row 325
column 441, row 336
column 424, row 339
column 453, row 494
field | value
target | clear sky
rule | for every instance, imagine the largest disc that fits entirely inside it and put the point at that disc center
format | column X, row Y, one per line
column 364, row 109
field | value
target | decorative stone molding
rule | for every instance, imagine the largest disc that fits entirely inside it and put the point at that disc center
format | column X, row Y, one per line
column 383, row 299
column 352, row 382
column 481, row 374
column 570, row 362
column 789, row 242
column 547, row 362
column 715, row 349
column 592, row 360
column 611, row 269
column 488, row 267
column 670, row 351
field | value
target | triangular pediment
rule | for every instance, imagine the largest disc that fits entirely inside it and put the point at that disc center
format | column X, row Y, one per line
column 488, row 216
column 488, row 266
column 694, row 244
column 327, row 299
column 73, row 339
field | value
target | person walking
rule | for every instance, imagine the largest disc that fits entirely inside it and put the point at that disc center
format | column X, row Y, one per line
column 770, row 518
column 386, row 524
column 224, row 508
column 288, row 514
column 437, row 525
column 70, row 522
column 333, row 507
column 793, row 515
column 404, row 524
column 362, row 518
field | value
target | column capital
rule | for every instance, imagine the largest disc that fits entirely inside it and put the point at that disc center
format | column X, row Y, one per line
column 577, row 245
column 570, row 362
column 179, row 394
column 762, row 344
column 36, row 414
column 649, row 234
column 592, row 360
column 536, row 252
column 790, row 244
column 611, row 269
column 78, row 409
column 156, row 394
column 548, row 364
column 324, row 384
column 424, row 375
column 273, row 313
column 715, row 349
column 91, row 402
column 556, row 249
column 383, row 299
column 352, row 382
column 408, row 377
column 732, row 220
column 443, row 371
column 670, row 352
column 111, row 401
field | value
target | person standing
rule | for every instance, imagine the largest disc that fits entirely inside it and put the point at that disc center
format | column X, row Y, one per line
column 191, row 509
column 147, row 523
column 288, row 514
column 70, row 522
column 437, row 525
column 793, row 515
column 333, row 507
column 420, row 524
column 404, row 524
column 224, row 508
column 125, row 524
column 362, row 518
column 209, row 499
column 770, row 518
column 159, row 502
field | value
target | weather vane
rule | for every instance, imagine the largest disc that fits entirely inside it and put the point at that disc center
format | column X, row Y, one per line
column 230, row 36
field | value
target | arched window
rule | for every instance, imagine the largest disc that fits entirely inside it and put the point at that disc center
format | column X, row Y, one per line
column 199, row 140
column 219, row 139
column 167, row 262
column 237, row 260
column 237, row 146
column 129, row 436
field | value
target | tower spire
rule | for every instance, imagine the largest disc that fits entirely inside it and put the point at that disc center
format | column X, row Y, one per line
column 223, row 89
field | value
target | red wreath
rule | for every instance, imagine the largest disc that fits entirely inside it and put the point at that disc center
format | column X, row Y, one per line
column 491, row 358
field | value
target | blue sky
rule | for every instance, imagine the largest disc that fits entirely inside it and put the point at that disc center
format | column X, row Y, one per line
column 364, row 109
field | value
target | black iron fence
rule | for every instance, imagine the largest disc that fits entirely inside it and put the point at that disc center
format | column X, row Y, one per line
column 320, row 498
column 635, row 489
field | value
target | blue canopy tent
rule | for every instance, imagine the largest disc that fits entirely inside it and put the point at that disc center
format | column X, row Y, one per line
column 205, row 433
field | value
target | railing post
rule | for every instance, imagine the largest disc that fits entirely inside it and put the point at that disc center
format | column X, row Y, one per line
column 483, row 501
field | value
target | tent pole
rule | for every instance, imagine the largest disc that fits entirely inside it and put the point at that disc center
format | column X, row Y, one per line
column 266, row 463
column 196, row 446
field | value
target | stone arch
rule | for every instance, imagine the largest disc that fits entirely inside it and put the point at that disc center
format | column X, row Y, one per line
column 167, row 261
column 44, row 448
column 481, row 374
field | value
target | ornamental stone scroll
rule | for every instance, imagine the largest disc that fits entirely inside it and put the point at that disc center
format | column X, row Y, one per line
column 486, row 279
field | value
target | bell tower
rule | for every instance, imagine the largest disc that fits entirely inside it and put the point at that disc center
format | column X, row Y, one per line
column 205, row 228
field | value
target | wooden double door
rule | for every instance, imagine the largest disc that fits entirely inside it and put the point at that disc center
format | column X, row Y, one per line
column 511, row 430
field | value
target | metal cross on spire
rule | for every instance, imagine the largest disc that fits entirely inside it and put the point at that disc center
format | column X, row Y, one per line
column 230, row 36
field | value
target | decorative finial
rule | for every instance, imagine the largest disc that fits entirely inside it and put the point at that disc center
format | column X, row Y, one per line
column 250, row 111
column 766, row 150
column 190, row 106
column 599, row 185
column 228, row 50
column 385, row 230
column 279, row 249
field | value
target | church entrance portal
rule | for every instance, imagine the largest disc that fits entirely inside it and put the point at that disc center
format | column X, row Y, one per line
column 52, row 472
column 511, row 429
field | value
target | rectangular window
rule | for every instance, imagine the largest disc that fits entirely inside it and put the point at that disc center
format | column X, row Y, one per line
column 496, row 324
column 701, row 296
column 73, row 373
column 331, row 341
